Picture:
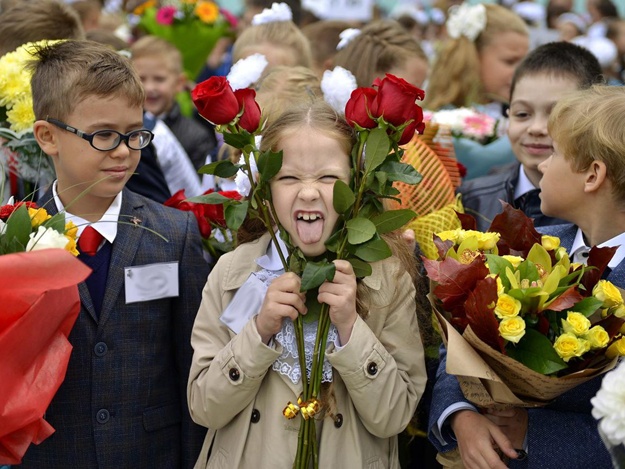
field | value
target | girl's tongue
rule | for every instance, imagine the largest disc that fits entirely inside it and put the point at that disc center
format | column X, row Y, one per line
column 309, row 232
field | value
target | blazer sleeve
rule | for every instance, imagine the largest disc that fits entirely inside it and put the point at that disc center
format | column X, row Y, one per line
column 193, row 272
column 384, row 373
column 227, row 369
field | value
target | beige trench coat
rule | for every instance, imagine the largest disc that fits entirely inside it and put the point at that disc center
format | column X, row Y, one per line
column 379, row 377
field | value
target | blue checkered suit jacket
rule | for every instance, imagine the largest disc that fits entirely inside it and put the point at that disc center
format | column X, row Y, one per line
column 563, row 434
column 123, row 401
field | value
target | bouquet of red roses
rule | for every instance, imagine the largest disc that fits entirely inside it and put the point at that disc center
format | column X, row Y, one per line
column 522, row 323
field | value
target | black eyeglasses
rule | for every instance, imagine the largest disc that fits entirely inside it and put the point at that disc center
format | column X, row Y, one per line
column 106, row 140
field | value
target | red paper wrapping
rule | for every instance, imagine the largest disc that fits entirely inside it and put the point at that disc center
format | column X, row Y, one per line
column 39, row 304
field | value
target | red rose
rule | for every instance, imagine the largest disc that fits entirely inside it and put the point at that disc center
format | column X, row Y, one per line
column 7, row 210
column 250, row 120
column 358, row 108
column 408, row 133
column 215, row 213
column 396, row 100
column 178, row 201
column 215, row 100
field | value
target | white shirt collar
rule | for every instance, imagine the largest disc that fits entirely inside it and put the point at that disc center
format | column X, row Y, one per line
column 106, row 226
column 579, row 247
column 271, row 260
column 524, row 185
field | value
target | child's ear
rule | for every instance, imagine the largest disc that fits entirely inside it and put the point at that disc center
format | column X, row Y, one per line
column 596, row 175
column 181, row 85
column 46, row 137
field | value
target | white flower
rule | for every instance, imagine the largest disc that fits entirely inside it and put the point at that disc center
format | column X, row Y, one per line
column 3, row 227
column 337, row 86
column 609, row 405
column 278, row 12
column 454, row 118
column 246, row 71
column 466, row 20
column 346, row 37
column 46, row 238
column 241, row 180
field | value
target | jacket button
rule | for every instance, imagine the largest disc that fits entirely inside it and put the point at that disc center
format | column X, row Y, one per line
column 102, row 416
column 234, row 374
column 372, row 368
column 100, row 349
column 255, row 416
column 338, row 420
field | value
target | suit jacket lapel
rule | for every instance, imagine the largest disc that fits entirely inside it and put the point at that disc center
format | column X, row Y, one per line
column 123, row 253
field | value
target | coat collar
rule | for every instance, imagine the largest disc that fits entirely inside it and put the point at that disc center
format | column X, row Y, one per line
column 245, row 257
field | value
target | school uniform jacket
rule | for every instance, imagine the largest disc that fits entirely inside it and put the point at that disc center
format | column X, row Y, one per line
column 123, row 402
column 562, row 434
column 378, row 378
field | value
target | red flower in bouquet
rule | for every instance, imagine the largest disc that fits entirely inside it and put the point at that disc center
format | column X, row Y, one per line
column 216, row 102
column 358, row 108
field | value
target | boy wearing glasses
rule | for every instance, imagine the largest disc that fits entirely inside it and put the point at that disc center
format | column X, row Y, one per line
column 123, row 402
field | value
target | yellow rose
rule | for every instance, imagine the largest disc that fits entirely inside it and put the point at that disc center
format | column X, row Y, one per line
column 619, row 311
column 71, row 246
column 451, row 235
column 71, row 230
column 550, row 243
column 507, row 306
column 500, row 287
column 514, row 260
column 576, row 323
column 37, row 216
column 512, row 329
column 597, row 337
column 617, row 349
column 568, row 346
column 606, row 291
column 487, row 241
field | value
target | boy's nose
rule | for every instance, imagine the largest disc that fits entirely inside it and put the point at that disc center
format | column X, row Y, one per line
column 122, row 151
column 538, row 126
column 308, row 192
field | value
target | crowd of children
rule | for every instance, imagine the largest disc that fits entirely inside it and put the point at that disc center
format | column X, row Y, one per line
column 160, row 375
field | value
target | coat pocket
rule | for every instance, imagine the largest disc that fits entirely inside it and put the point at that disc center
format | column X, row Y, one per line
column 162, row 416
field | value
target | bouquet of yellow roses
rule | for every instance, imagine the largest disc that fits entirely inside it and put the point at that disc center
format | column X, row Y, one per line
column 522, row 323
column 38, row 290
column 20, row 154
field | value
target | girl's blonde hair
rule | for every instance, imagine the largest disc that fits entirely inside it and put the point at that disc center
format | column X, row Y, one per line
column 455, row 78
column 283, row 35
column 380, row 46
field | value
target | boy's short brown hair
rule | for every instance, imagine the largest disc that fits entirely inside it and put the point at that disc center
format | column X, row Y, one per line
column 68, row 72
column 36, row 20
column 587, row 125
column 153, row 46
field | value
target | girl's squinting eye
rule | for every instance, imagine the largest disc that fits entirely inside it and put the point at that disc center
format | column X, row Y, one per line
column 286, row 177
column 329, row 178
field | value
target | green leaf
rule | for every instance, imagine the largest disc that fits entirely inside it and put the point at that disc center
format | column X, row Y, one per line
column 343, row 197
column 315, row 273
column 214, row 198
column 334, row 241
column 235, row 213
column 401, row 172
column 222, row 169
column 373, row 251
column 269, row 164
column 360, row 230
column 57, row 222
column 536, row 352
column 238, row 140
column 313, row 306
column 376, row 149
column 392, row 220
column 361, row 268
column 588, row 306
column 18, row 226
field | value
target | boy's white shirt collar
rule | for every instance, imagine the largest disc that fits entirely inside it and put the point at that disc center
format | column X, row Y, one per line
column 106, row 226
column 524, row 185
column 579, row 246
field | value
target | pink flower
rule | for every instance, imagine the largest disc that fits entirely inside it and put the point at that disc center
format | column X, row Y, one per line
column 233, row 20
column 165, row 15
column 479, row 126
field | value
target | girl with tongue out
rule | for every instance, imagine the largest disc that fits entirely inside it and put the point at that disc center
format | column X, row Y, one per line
column 245, row 365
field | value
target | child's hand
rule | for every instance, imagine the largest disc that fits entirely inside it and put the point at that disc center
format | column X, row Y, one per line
column 283, row 300
column 340, row 295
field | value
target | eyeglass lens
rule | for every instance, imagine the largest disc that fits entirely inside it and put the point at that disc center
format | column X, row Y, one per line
column 106, row 140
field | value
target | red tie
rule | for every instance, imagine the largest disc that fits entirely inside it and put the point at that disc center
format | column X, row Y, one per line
column 89, row 241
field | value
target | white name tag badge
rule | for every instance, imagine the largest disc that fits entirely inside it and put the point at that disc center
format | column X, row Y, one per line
column 151, row 282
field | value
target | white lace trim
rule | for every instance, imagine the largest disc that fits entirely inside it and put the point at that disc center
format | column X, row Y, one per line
column 287, row 363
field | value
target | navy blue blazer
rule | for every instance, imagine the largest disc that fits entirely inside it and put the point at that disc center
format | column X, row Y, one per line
column 123, row 401
column 562, row 434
